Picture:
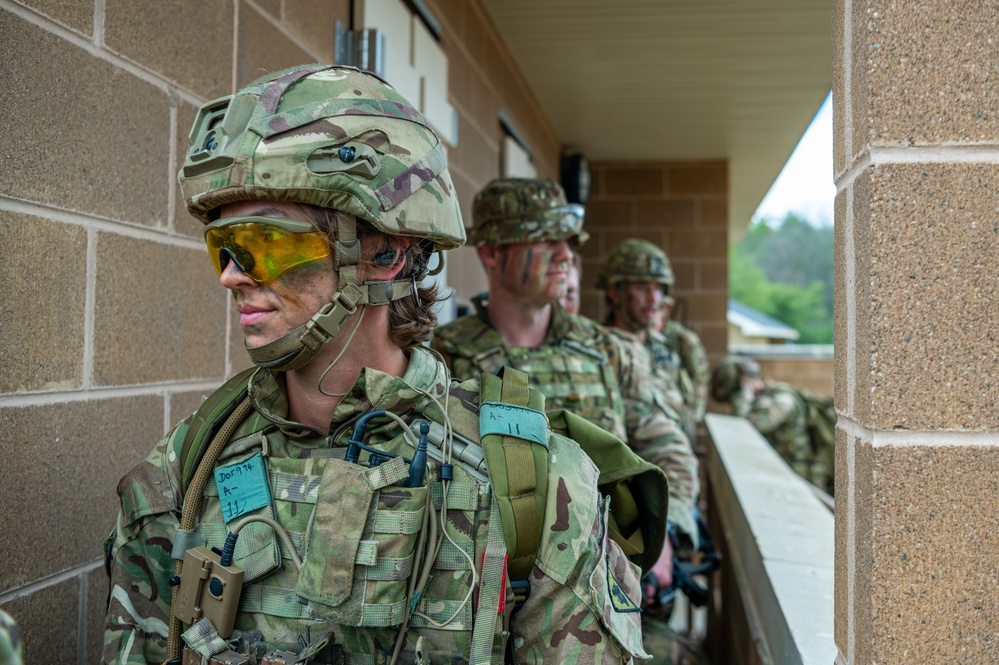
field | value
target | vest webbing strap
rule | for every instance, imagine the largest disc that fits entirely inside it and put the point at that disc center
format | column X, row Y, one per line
column 490, row 589
column 208, row 418
column 273, row 601
column 518, row 465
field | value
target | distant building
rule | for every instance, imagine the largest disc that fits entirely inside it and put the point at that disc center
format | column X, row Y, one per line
column 747, row 326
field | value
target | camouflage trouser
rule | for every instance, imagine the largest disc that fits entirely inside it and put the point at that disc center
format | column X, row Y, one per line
column 667, row 647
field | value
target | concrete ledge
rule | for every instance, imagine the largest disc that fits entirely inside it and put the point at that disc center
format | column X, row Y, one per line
column 785, row 351
column 779, row 539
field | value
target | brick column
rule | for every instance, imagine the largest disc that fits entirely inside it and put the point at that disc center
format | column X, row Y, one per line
column 917, row 324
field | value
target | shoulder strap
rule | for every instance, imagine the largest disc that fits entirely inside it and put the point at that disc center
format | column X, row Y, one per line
column 514, row 435
column 208, row 418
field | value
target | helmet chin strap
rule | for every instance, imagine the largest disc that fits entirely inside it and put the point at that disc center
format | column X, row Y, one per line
column 297, row 348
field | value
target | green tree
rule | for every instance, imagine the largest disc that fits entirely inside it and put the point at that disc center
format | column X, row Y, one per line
column 785, row 271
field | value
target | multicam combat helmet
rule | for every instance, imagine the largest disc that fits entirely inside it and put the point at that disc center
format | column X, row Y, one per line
column 727, row 375
column 334, row 137
column 636, row 260
column 513, row 210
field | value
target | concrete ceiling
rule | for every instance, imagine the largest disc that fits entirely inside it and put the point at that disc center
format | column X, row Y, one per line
column 738, row 80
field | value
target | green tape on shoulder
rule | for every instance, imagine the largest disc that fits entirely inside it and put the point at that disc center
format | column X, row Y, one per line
column 509, row 420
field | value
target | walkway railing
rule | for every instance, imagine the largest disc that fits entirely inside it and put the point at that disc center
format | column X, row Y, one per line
column 773, row 600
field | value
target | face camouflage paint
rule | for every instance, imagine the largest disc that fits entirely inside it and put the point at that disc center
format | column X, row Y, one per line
column 535, row 270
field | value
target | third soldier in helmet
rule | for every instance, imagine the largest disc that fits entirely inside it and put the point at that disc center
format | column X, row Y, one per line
column 638, row 284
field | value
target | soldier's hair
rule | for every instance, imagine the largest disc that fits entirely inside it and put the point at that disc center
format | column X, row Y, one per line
column 609, row 319
column 411, row 321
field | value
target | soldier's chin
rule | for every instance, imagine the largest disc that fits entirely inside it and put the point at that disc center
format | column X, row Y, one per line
column 253, row 340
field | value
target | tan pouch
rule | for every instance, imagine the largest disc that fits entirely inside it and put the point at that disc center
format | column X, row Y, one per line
column 360, row 544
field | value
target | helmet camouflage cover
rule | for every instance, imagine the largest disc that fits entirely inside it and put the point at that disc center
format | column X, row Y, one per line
column 636, row 260
column 726, row 376
column 334, row 137
column 331, row 136
column 513, row 210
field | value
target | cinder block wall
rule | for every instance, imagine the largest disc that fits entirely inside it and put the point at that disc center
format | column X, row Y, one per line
column 815, row 374
column 681, row 207
column 916, row 145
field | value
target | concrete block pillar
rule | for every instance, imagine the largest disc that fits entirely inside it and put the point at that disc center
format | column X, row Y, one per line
column 916, row 108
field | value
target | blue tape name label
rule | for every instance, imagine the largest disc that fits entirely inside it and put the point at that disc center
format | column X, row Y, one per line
column 511, row 420
column 242, row 487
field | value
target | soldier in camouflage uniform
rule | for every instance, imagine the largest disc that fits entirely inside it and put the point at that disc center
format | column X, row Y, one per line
column 638, row 280
column 525, row 231
column 775, row 409
column 693, row 356
column 324, row 195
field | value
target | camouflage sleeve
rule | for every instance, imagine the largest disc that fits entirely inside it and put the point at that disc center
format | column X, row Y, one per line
column 584, row 600
column 767, row 411
column 138, row 558
column 695, row 362
column 459, row 367
column 656, row 433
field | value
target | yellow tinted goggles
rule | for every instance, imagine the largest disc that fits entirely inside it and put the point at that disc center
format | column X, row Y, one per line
column 263, row 247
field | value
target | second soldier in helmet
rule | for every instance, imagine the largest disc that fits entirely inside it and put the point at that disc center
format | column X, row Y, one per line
column 525, row 232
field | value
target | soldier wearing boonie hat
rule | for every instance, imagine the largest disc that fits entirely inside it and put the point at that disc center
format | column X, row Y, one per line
column 331, row 505
column 525, row 232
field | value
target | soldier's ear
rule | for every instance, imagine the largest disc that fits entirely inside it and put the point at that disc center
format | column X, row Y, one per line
column 388, row 256
column 489, row 255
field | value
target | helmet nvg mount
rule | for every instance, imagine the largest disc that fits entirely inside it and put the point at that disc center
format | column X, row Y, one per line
column 334, row 137
column 513, row 210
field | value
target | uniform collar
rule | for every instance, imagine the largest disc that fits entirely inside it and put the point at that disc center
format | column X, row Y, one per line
column 373, row 389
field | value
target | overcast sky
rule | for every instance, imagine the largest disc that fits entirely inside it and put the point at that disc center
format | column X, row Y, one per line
column 805, row 185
